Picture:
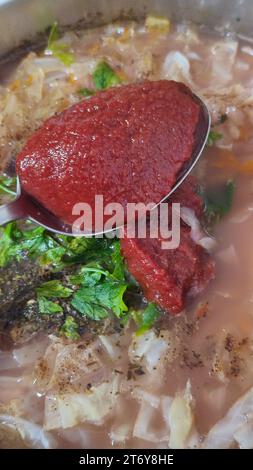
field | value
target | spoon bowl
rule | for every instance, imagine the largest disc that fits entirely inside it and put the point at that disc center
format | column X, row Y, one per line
column 26, row 207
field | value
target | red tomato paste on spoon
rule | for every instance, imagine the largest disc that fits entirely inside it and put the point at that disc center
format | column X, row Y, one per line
column 127, row 143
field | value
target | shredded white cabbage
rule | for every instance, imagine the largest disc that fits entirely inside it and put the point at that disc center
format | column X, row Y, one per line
column 31, row 433
column 223, row 434
column 109, row 343
column 244, row 435
column 224, row 55
column 176, row 67
column 197, row 234
column 68, row 410
column 181, row 418
column 149, row 348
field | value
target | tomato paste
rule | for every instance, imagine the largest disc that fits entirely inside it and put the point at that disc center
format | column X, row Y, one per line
column 127, row 143
column 169, row 276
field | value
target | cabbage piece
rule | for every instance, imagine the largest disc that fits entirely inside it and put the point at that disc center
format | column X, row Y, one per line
column 141, row 394
column 244, row 436
column 12, row 387
column 176, row 67
column 84, row 360
column 68, row 410
column 80, row 437
column 223, row 434
column 7, row 361
column 45, row 366
column 181, row 419
column 152, row 408
column 225, row 100
column 121, row 433
column 31, row 433
column 109, row 344
column 166, row 402
column 30, row 352
column 144, row 429
column 223, row 58
column 197, row 234
column 149, row 348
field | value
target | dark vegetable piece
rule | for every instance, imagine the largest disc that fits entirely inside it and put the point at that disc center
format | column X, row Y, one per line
column 86, row 92
column 217, row 202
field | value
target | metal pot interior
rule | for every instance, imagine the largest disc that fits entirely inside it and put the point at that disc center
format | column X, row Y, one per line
column 24, row 20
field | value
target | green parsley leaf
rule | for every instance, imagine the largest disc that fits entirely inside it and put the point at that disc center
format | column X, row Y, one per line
column 118, row 262
column 53, row 35
column 6, row 243
column 217, row 202
column 53, row 256
column 145, row 319
column 8, row 185
column 47, row 307
column 99, row 295
column 104, row 76
column 33, row 242
column 88, row 276
column 213, row 137
column 70, row 328
column 54, row 289
column 56, row 250
column 58, row 49
column 86, row 92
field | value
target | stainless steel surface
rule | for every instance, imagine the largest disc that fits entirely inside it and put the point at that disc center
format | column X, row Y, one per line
column 22, row 19
column 24, row 207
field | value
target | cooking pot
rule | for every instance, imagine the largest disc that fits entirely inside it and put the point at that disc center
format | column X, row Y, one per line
column 22, row 22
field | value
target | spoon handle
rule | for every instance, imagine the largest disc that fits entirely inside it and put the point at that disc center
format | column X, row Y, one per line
column 13, row 211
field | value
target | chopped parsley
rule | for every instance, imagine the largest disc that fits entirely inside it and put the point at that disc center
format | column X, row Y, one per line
column 213, row 137
column 58, row 49
column 100, row 294
column 104, row 76
column 217, row 202
column 145, row 319
column 47, row 307
column 54, row 289
column 96, row 285
column 36, row 243
column 86, row 92
column 8, row 185
column 53, row 250
column 70, row 328
column 51, row 290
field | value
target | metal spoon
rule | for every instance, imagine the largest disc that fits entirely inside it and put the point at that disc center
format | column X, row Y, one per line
column 25, row 207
